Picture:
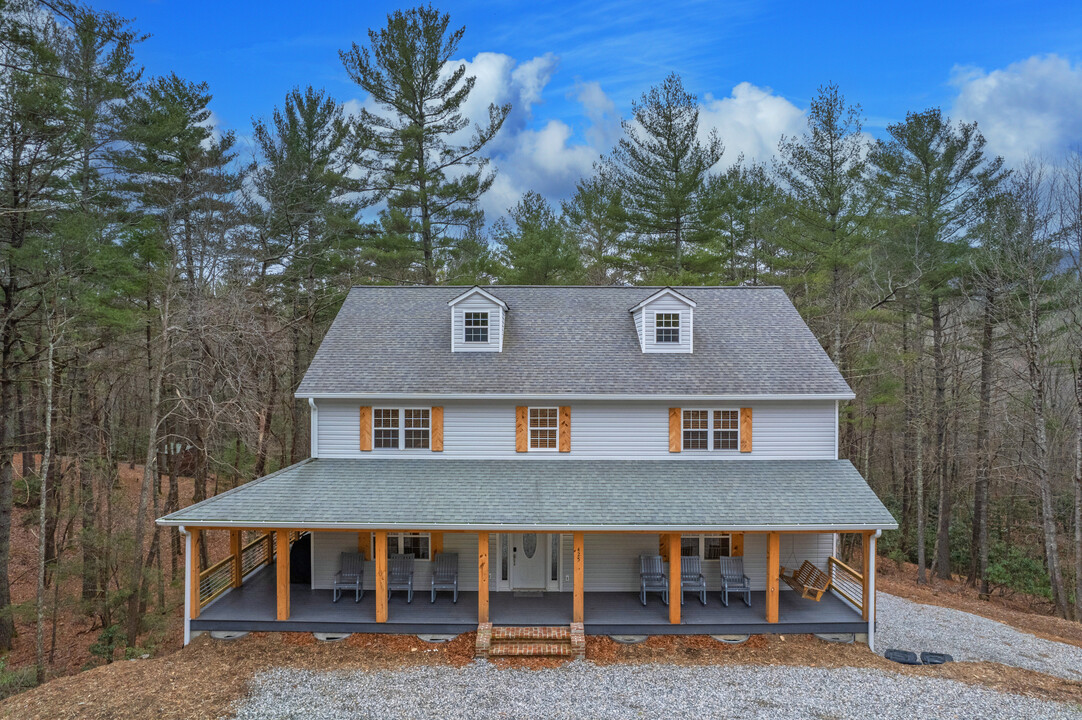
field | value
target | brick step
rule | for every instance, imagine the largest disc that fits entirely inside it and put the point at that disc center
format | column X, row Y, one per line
column 530, row 648
column 509, row 641
column 512, row 632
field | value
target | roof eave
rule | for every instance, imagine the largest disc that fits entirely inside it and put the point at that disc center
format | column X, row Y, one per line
column 577, row 396
column 537, row 527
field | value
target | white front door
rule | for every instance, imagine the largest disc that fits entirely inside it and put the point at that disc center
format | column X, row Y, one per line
column 529, row 554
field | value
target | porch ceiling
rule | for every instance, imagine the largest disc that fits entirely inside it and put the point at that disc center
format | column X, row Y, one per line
column 557, row 494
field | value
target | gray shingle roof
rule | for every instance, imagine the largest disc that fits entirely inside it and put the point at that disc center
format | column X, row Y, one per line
column 570, row 341
column 550, row 495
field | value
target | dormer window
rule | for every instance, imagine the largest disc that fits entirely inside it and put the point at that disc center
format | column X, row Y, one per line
column 478, row 319
column 667, row 327
column 476, row 327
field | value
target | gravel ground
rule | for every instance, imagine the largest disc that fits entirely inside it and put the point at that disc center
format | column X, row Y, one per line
column 581, row 689
column 907, row 625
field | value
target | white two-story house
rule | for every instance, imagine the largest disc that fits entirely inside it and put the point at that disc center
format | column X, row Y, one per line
column 550, row 437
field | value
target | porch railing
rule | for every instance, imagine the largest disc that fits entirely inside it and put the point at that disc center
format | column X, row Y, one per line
column 847, row 582
column 218, row 578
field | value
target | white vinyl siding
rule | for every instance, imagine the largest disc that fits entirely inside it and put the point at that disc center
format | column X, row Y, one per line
column 610, row 562
column 474, row 304
column 326, row 547
column 599, row 430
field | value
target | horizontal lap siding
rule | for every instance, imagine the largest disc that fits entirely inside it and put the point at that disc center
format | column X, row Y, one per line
column 599, row 430
column 611, row 561
column 326, row 547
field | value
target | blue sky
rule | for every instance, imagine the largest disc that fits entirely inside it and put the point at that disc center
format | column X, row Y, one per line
column 573, row 68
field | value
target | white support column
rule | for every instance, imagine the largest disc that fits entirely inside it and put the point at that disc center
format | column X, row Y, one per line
column 187, row 585
column 314, row 427
column 871, row 590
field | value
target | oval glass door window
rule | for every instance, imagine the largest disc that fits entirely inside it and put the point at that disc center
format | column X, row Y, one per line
column 529, row 544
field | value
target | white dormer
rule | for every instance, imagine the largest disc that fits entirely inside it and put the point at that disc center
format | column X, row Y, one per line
column 664, row 322
column 477, row 320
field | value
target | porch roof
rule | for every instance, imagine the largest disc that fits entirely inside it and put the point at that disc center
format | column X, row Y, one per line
column 549, row 495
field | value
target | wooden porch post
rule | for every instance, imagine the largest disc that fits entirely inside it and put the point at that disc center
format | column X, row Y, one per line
column 580, row 579
column 282, row 572
column 867, row 585
column 193, row 562
column 234, row 549
column 675, row 596
column 773, row 570
column 482, row 577
column 379, row 554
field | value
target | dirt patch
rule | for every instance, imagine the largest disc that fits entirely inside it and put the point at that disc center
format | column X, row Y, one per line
column 205, row 679
column 1022, row 612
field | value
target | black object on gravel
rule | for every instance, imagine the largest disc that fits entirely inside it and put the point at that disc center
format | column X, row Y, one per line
column 902, row 656
column 931, row 658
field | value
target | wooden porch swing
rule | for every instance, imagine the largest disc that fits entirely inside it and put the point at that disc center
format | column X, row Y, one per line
column 808, row 580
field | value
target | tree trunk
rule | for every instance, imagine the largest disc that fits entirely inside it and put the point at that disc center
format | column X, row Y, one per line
column 1078, row 490
column 1040, row 460
column 43, row 513
column 942, row 560
column 135, row 578
column 979, row 546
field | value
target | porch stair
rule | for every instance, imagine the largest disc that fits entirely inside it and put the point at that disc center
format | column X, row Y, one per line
column 516, row 641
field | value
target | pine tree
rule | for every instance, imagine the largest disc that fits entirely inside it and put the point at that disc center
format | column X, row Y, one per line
column 305, row 207
column 595, row 216
column 412, row 155
column 823, row 172
column 661, row 166
column 935, row 175
column 536, row 248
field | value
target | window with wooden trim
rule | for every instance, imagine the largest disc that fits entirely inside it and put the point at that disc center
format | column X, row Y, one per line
column 417, row 544
column 711, row 429
column 475, row 325
column 706, row 547
column 544, row 426
column 402, row 428
column 667, row 327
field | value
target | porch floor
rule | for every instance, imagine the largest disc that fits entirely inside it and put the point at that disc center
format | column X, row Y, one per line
column 252, row 607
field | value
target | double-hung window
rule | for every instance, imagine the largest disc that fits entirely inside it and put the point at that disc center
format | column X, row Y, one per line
column 543, row 428
column 416, row 544
column 402, row 428
column 475, row 326
column 711, row 430
column 706, row 547
column 667, row 327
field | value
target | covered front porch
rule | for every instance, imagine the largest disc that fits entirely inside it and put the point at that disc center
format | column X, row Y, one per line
column 250, row 590
column 253, row 607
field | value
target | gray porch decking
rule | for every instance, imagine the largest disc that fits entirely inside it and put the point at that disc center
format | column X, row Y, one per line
column 252, row 607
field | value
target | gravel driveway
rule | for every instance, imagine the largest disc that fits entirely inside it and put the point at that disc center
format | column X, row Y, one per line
column 583, row 690
column 912, row 626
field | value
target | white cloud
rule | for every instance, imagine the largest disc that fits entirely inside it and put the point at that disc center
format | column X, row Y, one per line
column 551, row 155
column 750, row 121
column 1032, row 107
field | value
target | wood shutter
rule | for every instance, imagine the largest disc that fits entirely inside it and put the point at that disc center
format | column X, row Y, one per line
column 437, row 429
column 366, row 428
column 565, row 429
column 674, row 430
column 736, row 545
column 663, row 547
column 745, row 430
column 522, row 429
